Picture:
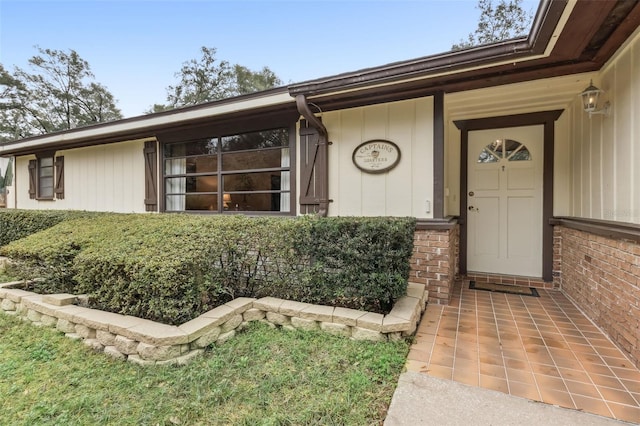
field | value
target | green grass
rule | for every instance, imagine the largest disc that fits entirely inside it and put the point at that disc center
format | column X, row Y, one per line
column 5, row 277
column 261, row 377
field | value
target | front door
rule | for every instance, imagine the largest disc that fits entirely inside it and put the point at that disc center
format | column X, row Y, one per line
column 504, row 199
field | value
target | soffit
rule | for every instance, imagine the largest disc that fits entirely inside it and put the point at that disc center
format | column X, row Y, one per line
column 555, row 93
column 271, row 108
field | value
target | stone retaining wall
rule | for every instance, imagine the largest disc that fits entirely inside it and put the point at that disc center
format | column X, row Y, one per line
column 147, row 342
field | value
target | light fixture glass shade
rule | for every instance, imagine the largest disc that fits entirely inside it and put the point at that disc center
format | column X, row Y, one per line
column 590, row 97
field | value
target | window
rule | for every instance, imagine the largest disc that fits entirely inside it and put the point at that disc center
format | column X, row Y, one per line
column 248, row 172
column 504, row 149
column 46, row 177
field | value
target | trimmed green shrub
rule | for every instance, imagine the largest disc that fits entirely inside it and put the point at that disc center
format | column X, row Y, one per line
column 172, row 268
column 16, row 224
column 361, row 263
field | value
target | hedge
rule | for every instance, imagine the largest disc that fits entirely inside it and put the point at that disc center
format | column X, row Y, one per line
column 16, row 224
column 172, row 268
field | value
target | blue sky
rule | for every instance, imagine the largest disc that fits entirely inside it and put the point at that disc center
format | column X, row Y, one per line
column 134, row 47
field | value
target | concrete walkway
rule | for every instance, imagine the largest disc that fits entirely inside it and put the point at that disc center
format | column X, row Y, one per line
column 424, row 400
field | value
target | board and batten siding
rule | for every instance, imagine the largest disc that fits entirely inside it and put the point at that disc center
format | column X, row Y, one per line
column 402, row 191
column 98, row 178
column 605, row 172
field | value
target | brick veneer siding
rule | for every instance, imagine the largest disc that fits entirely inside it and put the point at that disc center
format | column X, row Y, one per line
column 602, row 275
column 435, row 262
column 557, row 257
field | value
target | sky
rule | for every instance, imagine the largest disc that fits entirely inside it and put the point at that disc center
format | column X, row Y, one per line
column 135, row 47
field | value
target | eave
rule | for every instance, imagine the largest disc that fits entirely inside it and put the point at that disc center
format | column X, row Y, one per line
column 567, row 37
column 582, row 40
column 268, row 108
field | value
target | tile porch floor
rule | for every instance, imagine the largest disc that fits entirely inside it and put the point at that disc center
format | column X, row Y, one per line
column 540, row 348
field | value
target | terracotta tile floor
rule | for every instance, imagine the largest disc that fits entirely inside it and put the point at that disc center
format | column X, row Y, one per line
column 541, row 348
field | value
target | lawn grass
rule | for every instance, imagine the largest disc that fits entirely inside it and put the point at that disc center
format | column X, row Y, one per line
column 263, row 376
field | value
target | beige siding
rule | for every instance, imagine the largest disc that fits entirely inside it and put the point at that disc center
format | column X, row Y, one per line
column 99, row 178
column 452, row 169
column 562, row 167
column 521, row 98
column 403, row 191
column 605, row 177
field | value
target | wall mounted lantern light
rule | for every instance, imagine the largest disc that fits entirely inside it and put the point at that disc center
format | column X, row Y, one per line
column 590, row 97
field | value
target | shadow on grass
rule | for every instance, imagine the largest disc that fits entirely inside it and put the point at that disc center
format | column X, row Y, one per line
column 262, row 376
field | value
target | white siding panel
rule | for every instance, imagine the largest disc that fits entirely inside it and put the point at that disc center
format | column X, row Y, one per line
column 594, row 186
column 100, row 178
column 562, row 167
column 345, row 130
column 622, row 136
column 585, row 164
column 374, row 186
column 402, row 191
column 608, row 168
column 423, row 160
column 21, row 184
column 452, row 158
column 403, row 116
column 635, row 133
column 576, row 150
column 606, row 176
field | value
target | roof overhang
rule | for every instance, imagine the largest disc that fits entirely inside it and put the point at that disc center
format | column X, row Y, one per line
column 567, row 37
column 273, row 106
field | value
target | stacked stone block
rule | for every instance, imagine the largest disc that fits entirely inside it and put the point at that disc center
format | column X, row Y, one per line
column 147, row 342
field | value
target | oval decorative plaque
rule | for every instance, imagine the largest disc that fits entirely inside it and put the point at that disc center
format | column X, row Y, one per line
column 376, row 156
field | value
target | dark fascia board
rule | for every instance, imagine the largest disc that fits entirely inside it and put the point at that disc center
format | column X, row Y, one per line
column 592, row 34
column 212, row 126
column 547, row 17
column 230, row 120
column 581, row 47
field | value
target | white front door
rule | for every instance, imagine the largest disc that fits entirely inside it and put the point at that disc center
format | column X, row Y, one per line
column 504, row 199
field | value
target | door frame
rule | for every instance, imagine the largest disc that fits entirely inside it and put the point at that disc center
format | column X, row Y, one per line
column 545, row 118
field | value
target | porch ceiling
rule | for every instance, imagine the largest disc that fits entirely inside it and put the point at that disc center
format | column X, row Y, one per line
column 531, row 96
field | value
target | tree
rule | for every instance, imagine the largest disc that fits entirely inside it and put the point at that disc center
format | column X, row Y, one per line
column 59, row 94
column 208, row 79
column 247, row 81
column 503, row 21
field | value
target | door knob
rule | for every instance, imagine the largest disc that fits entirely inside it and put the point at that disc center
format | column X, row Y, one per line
column 473, row 209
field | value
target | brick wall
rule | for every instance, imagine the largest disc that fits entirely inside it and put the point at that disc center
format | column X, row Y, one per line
column 557, row 257
column 435, row 262
column 602, row 275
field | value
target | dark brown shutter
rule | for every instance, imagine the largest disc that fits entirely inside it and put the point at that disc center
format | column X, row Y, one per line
column 59, row 178
column 309, row 181
column 150, row 176
column 33, row 178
